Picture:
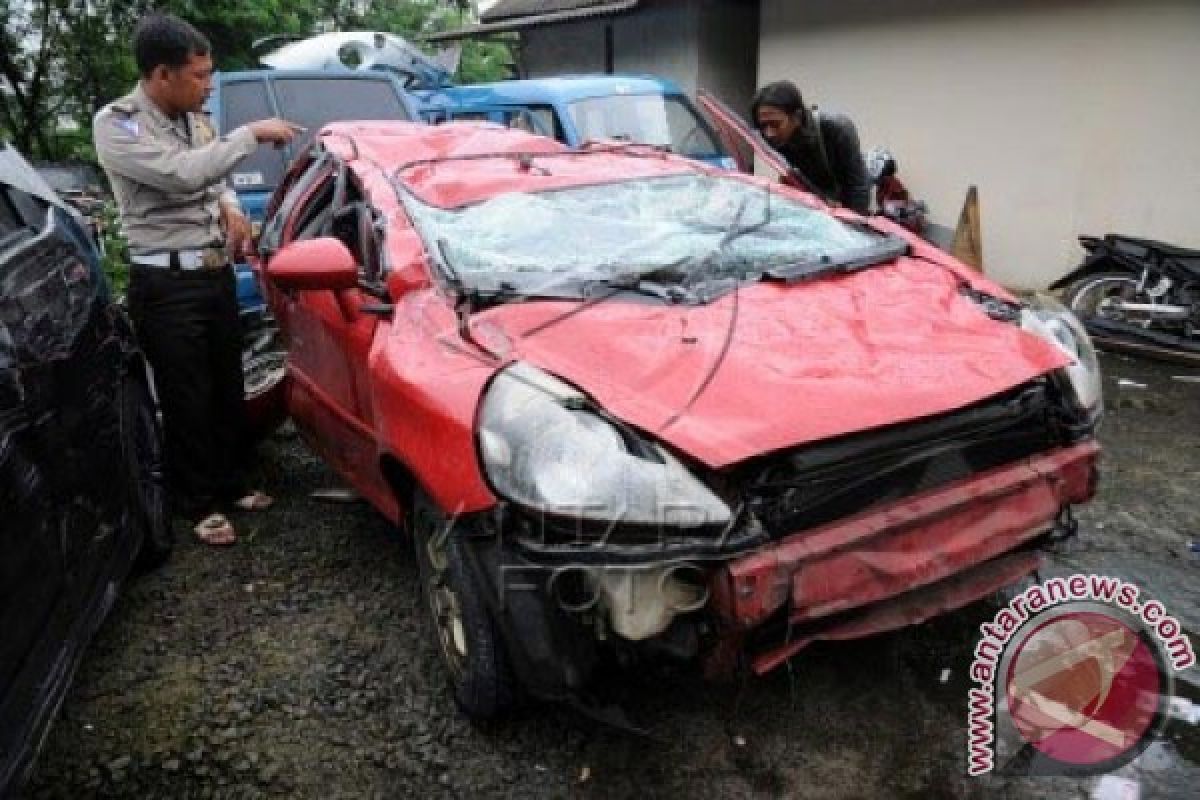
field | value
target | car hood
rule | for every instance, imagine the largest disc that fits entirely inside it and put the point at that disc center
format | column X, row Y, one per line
column 774, row 366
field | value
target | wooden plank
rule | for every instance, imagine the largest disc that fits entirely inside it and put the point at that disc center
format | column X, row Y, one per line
column 967, row 246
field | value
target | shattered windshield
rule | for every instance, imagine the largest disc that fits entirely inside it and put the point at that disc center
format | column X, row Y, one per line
column 696, row 226
column 652, row 119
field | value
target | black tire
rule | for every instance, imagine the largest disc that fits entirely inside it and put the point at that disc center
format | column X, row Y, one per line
column 1083, row 295
column 474, row 655
column 142, row 443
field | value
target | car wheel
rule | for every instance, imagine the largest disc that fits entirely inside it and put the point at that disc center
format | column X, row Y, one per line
column 141, row 441
column 470, row 644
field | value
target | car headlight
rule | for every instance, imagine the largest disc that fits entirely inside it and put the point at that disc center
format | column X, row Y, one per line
column 544, row 449
column 1050, row 320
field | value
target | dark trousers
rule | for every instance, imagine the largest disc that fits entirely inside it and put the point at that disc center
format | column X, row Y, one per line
column 187, row 324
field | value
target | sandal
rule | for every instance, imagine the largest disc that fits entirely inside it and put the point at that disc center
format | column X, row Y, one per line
column 215, row 530
column 255, row 501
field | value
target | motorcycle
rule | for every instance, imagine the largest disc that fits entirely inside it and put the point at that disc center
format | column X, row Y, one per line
column 892, row 198
column 1137, row 295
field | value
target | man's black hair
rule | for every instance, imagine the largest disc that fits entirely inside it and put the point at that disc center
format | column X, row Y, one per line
column 166, row 40
column 781, row 94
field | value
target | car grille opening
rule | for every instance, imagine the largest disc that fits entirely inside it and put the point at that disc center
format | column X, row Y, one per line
column 816, row 484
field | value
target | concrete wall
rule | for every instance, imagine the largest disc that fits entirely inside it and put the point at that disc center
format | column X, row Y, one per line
column 577, row 47
column 696, row 43
column 1071, row 117
column 660, row 40
column 729, row 50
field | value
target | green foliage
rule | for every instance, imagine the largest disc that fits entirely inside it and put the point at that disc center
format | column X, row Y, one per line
column 62, row 60
column 483, row 62
column 116, row 250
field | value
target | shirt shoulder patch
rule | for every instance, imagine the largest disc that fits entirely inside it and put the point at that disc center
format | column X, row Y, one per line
column 127, row 125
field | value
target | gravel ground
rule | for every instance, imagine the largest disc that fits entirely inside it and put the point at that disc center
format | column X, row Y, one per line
column 296, row 664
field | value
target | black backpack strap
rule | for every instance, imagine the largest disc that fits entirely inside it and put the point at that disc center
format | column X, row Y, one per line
column 819, row 122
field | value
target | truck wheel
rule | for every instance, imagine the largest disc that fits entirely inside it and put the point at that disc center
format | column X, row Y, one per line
column 471, row 646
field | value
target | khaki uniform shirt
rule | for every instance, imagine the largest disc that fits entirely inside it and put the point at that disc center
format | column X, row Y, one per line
column 167, row 175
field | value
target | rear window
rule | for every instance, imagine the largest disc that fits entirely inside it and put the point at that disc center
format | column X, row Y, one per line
column 243, row 102
column 315, row 102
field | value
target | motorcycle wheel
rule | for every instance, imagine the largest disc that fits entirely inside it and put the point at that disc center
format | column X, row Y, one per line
column 1088, row 298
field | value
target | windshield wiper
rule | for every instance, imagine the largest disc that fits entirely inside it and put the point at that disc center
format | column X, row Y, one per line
column 645, row 283
column 888, row 249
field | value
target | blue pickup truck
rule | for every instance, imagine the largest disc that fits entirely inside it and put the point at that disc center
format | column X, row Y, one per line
column 576, row 109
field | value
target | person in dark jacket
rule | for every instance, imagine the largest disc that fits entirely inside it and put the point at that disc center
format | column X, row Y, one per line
column 823, row 148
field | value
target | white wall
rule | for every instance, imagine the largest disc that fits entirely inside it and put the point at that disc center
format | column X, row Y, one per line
column 1071, row 117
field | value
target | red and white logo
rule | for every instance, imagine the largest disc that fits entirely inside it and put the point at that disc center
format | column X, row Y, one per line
column 1084, row 688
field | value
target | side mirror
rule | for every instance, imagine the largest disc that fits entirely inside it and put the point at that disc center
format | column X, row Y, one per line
column 323, row 263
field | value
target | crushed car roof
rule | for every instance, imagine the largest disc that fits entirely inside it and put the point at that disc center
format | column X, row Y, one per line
column 461, row 163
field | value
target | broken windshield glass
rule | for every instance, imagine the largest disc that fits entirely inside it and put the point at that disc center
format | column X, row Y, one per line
column 676, row 227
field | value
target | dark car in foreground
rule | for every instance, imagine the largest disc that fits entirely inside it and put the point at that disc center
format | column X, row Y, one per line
column 80, row 458
column 628, row 402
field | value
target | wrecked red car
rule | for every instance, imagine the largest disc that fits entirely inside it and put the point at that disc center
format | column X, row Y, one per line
column 630, row 402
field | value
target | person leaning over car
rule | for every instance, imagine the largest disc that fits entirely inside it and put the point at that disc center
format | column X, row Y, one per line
column 167, row 169
column 823, row 148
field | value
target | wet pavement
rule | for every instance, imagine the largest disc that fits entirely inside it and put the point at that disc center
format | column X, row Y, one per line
column 297, row 665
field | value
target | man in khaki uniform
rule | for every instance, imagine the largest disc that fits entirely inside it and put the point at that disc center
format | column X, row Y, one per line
column 167, row 169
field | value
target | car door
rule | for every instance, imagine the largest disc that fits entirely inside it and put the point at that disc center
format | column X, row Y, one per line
column 330, row 332
column 749, row 149
column 58, row 442
column 33, row 557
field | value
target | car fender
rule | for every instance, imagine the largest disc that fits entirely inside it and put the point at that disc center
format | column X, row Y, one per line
column 431, row 382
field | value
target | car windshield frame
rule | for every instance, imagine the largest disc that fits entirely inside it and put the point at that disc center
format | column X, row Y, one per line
column 702, row 261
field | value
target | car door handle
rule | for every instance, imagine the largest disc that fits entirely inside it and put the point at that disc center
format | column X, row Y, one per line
column 383, row 310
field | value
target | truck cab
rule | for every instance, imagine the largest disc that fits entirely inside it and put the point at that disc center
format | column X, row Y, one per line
column 642, row 109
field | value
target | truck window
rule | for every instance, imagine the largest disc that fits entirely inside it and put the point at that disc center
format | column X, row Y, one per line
column 653, row 119
column 243, row 102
